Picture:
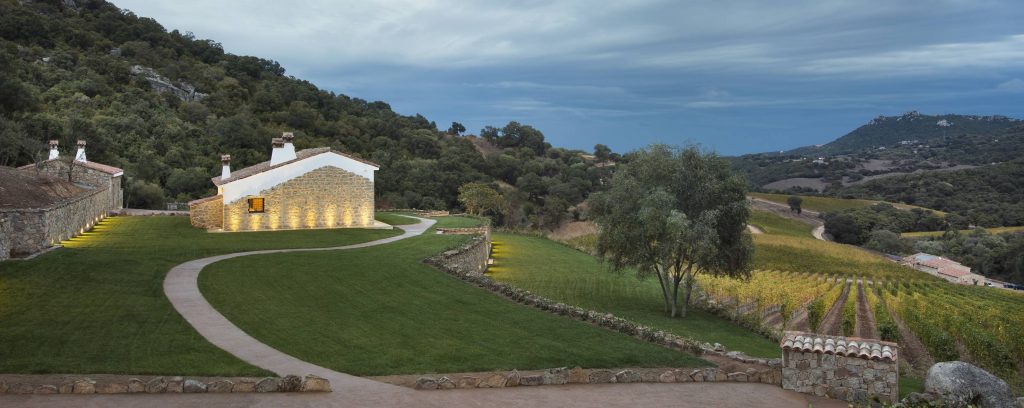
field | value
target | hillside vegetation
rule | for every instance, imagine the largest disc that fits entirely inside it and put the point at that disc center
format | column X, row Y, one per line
column 824, row 204
column 165, row 105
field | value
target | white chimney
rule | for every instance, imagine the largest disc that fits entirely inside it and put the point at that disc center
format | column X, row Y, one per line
column 225, row 170
column 80, row 156
column 283, row 149
column 54, row 153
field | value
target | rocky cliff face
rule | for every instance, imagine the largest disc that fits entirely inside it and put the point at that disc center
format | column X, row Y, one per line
column 182, row 90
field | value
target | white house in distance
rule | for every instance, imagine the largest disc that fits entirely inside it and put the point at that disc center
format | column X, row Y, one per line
column 947, row 269
column 311, row 188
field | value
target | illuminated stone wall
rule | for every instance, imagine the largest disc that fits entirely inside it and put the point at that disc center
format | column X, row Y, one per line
column 207, row 212
column 327, row 197
column 36, row 229
column 6, row 231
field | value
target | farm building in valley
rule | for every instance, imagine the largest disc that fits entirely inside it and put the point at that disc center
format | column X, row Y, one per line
column 44, row 203
column 947, row 269
column 311, row 188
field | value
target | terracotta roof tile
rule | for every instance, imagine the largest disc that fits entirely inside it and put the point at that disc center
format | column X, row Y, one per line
column 299, row 155
column 840, row 346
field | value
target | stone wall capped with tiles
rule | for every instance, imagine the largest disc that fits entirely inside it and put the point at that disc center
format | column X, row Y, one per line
column 848, row 369
column 207, row 212
column 327, row 197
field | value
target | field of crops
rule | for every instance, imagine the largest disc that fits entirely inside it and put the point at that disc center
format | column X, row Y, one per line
column 799, row 281
column 999, row 230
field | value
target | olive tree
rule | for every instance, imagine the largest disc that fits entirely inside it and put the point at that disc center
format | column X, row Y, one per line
column 673, row 213
column 479, row 198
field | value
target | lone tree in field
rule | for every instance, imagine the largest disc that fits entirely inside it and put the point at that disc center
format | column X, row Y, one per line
column 479, row 198
column 794, row 204
column 673, row 213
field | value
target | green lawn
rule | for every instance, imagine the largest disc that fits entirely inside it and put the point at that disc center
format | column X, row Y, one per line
column 557, row 272
column 459, row 221
column 98, row 306
column 775, row 225
column 381, row 310
column 830, row 204
column 395, row 219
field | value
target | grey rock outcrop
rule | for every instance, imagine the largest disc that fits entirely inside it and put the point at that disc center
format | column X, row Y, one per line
column 960, row 384
column 160, row 83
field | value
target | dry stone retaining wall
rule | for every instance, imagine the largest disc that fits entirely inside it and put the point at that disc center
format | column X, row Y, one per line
column 119, row 384
column 471, row 258
column 847, row 369
column 41, row 228
column 564, row 375
column 327, row 197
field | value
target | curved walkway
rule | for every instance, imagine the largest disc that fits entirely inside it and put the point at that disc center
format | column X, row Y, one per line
column 182, row 288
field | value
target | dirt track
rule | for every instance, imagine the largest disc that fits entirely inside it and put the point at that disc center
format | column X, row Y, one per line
column 865, row 327
column 912, row 347
column 832, row 323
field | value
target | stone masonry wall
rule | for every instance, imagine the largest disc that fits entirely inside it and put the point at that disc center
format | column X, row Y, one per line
column 84, row 175
column 471, row 258
column 6, row 229
column 207, row 213
column 38, row 229
column 327, row 197
column 844, row 378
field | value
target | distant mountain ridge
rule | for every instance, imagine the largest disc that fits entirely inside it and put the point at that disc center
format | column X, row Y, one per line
column 911, row 127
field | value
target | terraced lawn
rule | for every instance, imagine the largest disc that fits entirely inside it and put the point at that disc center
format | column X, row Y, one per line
column 558, row 272
column 97, row 305
column 381, row 310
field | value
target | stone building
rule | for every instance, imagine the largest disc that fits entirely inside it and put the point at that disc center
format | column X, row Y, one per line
column 311, row 188
column 944, row 268
column 45, row 203
column 850, row 369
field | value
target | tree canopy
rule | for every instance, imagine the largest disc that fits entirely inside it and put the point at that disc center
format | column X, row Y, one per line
column 672, row 213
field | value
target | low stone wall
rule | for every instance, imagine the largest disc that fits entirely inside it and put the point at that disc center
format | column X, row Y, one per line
column 564, row 375
column 471, row 258
column 449, row 262
column 207, row 212
column 41, row 228
column 419, row 213
column 6, row 231
column 849, row 369
column 118, row 384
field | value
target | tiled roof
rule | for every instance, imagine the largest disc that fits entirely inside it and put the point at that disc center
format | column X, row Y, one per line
column 840, row 346
column 23, row 189
column 942, row 265
column 299, row 155
column 204, row 199
column 88, row 164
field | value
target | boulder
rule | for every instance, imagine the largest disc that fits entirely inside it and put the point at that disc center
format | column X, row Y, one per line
column 529, row 380
column 176, row 384
column 493, row 381
column 445, row 383
column 312, row 383
column 136, row 385
column 556, row 376
column 19, row 388
column 84, row 386
column 667, row 377
column 66, row 387
column 156, row 385
column 578, row 376
column 737, row 377
column 290, row 383
column 513, row 379
column 244, row 386
column 601, row 377
column 269, row 384
column 192, row 385
column 697, row 375
column 467, row 382
column 682, row 376
column 220, row 386
column 426, row 383
column 627, row 376
column 46, row 389
column 960, row 384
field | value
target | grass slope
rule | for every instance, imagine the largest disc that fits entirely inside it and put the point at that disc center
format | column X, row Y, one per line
column 380, row 311
column 98, row 306
column 998, row 230
column 459, row 221
column 558, row 272
column 394, row 219
column 830, row 204
column 776, row 225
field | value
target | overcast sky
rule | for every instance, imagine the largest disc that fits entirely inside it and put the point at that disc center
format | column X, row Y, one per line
column 736, row 76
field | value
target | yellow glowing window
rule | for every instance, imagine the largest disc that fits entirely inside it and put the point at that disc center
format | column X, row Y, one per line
column 256, row 205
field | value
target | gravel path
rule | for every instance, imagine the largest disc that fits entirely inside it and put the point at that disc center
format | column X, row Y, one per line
column 832, row 323
column 865, row 326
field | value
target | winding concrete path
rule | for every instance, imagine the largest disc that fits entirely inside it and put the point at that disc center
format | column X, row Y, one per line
column 182, row 288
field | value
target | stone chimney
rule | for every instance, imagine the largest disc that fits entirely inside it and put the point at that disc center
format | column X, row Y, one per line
column 80, row 156
column 54, row 153
column 283, row 149
column 225, row 170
